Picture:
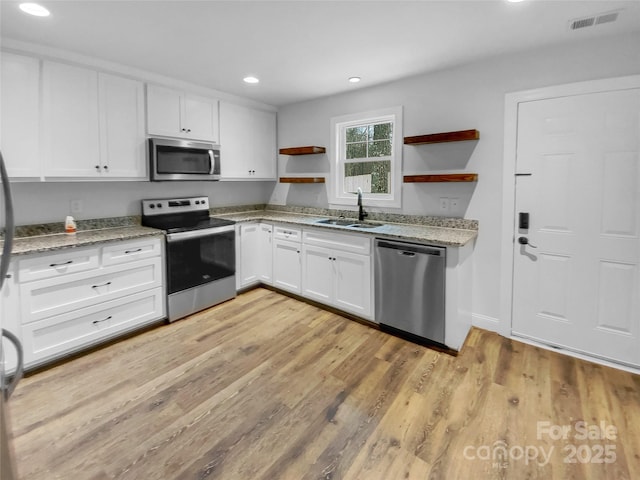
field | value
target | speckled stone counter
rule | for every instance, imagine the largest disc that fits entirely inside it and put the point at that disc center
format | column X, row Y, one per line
column 45, row 243
column 456, row 233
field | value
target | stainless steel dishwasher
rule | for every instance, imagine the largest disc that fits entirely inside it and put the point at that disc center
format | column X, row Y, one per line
column 410, row 289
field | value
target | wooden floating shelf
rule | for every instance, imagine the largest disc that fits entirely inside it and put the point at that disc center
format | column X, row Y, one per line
column 302, row 150
column 459, row 136
column 301, row 179
column 449, row 177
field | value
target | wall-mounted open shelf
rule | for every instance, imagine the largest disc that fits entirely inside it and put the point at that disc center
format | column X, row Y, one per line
column 447, row 177
column 459, row 136
column 301, row 179
column 311, row 150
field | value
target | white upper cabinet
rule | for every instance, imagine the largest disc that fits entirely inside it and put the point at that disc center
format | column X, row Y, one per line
column 172, row 113
column 122, row 137
column 247, row 143
column 20, row 114
column 93, row 124
column 71, row 137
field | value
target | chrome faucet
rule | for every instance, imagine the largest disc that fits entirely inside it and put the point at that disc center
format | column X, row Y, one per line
column 361, row 213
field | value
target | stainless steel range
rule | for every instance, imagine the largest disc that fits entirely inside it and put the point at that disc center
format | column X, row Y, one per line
column 201, row 257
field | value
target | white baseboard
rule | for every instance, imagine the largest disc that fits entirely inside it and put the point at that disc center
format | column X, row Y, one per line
column 486, row 322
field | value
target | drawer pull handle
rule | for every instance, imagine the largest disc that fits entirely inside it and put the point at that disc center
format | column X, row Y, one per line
column 132, row 251
column 103, row 320
column 103, row 285
column 68, row 262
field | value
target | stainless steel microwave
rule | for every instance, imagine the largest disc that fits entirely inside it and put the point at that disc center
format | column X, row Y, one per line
column 183, row 160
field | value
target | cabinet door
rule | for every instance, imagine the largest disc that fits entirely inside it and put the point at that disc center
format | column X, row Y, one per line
column 163, row 111
column 200, row 118
column 317, row 274
column 70, row 121
column 234, row 142
column 53, row 296
column 265, row 261
column 286, row 265
column 247, row 143
column 352, row 283
column 250, row 253
column 10, row 311
column 121, row 127
column 20, row 114
column 263, row 144
column 62, row 334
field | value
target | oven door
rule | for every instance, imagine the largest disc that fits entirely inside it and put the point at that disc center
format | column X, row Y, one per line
column 201, row 256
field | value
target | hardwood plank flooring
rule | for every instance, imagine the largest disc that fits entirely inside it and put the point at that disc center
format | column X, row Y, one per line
column 267, row 387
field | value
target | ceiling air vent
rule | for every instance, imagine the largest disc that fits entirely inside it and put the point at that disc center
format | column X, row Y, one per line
column 585, row 22
column 607, row 17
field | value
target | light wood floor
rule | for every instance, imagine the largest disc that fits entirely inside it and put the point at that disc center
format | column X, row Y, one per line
column 266, row 387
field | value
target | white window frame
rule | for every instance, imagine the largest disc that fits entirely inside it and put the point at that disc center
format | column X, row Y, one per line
column 339, row 125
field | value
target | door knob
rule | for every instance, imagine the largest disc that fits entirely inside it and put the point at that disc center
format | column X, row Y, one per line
column 525, row 241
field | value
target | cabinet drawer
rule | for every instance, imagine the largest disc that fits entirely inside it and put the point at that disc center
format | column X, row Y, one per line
column 62, row 334
column 123, row 252
column 287, row 233
column 49, row 297
column 53, row 265
column 338, row 241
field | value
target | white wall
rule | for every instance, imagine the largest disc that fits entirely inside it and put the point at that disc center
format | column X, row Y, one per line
column 467, row 97
column 50, row 201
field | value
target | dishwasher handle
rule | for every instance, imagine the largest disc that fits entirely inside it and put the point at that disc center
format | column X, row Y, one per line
column 410, row 249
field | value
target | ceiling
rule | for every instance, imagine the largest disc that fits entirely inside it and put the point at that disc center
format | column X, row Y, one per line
column 302, row 49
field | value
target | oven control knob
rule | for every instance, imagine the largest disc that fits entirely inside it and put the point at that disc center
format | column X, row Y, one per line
column 197, row 202
column 152, row 205
column 159, row 205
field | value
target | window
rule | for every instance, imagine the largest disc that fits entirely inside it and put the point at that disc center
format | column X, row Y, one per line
column 367, row 154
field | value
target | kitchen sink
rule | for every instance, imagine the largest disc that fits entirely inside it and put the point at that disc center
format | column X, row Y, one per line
column 345, row 222
column 363, row 225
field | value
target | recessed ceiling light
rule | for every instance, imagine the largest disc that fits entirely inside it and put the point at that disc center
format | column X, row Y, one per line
column 34, row 9
column 515, row 1
column 251, row 79
column 354, row 79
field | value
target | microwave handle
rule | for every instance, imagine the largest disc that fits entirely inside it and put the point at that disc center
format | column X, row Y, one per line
column 212, row 162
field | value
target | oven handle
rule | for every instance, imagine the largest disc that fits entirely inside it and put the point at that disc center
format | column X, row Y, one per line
column 204, row 232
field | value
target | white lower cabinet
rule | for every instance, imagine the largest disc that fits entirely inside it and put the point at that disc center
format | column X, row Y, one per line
column 265, row 261
column 60, row 334
column 287, row 266
column 78, row 297
column 328, row 267
column 254, row 254
column 10, row 311
column 337, row 277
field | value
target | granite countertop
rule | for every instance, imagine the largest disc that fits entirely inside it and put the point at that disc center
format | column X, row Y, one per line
column 434, row 235
column 45, row 243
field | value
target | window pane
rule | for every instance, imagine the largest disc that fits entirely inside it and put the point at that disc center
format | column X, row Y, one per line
column 372, row 177
column 356, row 134
column 356, row 150
column 382, row 131
column 380, row 148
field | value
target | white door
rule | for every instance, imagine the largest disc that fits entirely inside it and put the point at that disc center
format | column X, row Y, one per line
column 20, row 114
column 200, row 118
column 250, row 248
column 576, row 283
column 352, row 284
column 164, row 107
column 121, row 127
column 287, row 268
column 70, row 121
column 265, row 261
column 317, row 273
